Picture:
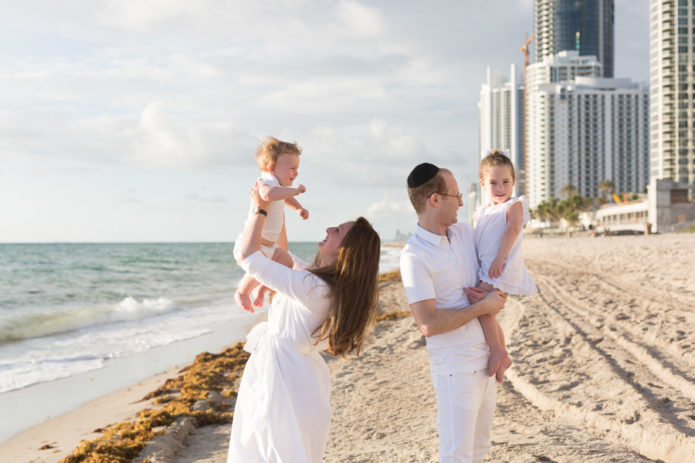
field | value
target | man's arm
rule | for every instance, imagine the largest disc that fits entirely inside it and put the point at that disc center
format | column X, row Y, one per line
column 433, row 321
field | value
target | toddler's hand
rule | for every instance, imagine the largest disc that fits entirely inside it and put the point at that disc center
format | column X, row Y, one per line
column 496, row 268
column 300, row 188
column 303, row 213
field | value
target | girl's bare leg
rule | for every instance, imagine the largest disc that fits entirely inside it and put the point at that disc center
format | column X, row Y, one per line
column 499, row 359
column 506, row 361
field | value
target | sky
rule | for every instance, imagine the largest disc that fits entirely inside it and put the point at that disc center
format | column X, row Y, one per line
column 137, row 120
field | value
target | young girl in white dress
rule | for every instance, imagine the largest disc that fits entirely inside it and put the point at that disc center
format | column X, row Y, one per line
column 498, row 227
column 282, row 412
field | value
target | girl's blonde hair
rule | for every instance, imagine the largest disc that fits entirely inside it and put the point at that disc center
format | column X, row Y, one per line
column 354, row 291
column 269, row 150
column 495, row 158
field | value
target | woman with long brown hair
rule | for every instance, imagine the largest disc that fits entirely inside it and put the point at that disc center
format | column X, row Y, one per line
column 282, row 412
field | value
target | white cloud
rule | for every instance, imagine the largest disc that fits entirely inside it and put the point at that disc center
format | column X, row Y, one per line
column 390, row 207
column 138, row 14
column 360, row 19
column 162, row 140
column 394, row 142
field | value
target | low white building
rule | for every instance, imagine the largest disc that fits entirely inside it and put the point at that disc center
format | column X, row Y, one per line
column 585, row 131
column 667, row 208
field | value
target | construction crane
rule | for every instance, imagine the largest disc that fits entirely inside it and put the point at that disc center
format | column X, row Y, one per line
column 525, row 51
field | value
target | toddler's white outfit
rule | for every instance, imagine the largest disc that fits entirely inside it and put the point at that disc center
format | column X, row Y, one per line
column 490, row 222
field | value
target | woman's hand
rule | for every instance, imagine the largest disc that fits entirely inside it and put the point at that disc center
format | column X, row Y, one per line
column 256, row 198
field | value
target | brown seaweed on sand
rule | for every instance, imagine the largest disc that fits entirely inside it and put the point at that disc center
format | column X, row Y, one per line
column 122, row 442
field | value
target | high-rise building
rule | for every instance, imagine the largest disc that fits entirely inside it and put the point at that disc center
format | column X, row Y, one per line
column 672, row 84
column 584, row 131
column 501, row 119
column 562, row 67
column 585, row 26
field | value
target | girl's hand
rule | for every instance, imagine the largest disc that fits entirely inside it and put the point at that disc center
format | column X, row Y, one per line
column 303, row 213
column 256, row 198
column 496, row 268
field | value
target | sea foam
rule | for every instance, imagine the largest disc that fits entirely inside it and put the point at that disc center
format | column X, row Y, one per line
column 34, row 325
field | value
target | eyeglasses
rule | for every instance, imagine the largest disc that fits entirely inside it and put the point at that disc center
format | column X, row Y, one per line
column 458, row 196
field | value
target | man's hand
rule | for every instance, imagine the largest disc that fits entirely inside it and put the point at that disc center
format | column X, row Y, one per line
column 496, row 268
column 303, row 213
column 494, row 302
column 475, row 294
column 300, row 189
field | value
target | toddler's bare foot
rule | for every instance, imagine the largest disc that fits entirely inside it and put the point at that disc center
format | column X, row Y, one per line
column 260, row 296
column 244, row 301
column 504, row 364
column 495, row 359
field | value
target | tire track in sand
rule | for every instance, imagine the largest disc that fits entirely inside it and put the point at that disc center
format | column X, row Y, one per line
column 577, row 356
column 665, row 370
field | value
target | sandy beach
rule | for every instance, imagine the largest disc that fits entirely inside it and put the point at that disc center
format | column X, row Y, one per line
column 603, row 370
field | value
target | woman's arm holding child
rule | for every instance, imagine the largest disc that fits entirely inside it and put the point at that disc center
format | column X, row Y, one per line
column 250, row 241
column 515, row 215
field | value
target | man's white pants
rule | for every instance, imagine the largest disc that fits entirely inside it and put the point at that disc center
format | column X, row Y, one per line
column 465, row 408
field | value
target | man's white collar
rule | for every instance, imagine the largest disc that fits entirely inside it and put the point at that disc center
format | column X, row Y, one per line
column 429, row 236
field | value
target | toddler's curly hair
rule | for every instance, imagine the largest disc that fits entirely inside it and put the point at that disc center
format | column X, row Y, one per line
column 269, row 150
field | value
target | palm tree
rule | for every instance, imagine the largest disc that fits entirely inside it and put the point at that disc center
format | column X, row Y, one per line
column 569, row 190
column 554, row 210
column 606, row 186
column 541, row 211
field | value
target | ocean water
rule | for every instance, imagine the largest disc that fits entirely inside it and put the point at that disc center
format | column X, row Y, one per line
column 66, row 309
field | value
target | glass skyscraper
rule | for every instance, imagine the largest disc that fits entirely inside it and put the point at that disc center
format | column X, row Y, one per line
column 585, row 26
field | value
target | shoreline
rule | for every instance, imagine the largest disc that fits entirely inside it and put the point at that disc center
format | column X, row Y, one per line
column 56, row 438
column 39, row 404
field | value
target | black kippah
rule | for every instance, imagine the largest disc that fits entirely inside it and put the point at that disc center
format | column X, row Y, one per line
column 422, row 174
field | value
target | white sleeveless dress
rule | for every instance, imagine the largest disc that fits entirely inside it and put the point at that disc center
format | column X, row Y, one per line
column 490, row 222
column 282, row 412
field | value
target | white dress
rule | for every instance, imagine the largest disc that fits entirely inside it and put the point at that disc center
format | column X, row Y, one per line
column 490, row 222
column 282, row 412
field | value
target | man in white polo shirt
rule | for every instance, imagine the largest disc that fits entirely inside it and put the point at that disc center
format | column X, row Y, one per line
column 439, row 268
